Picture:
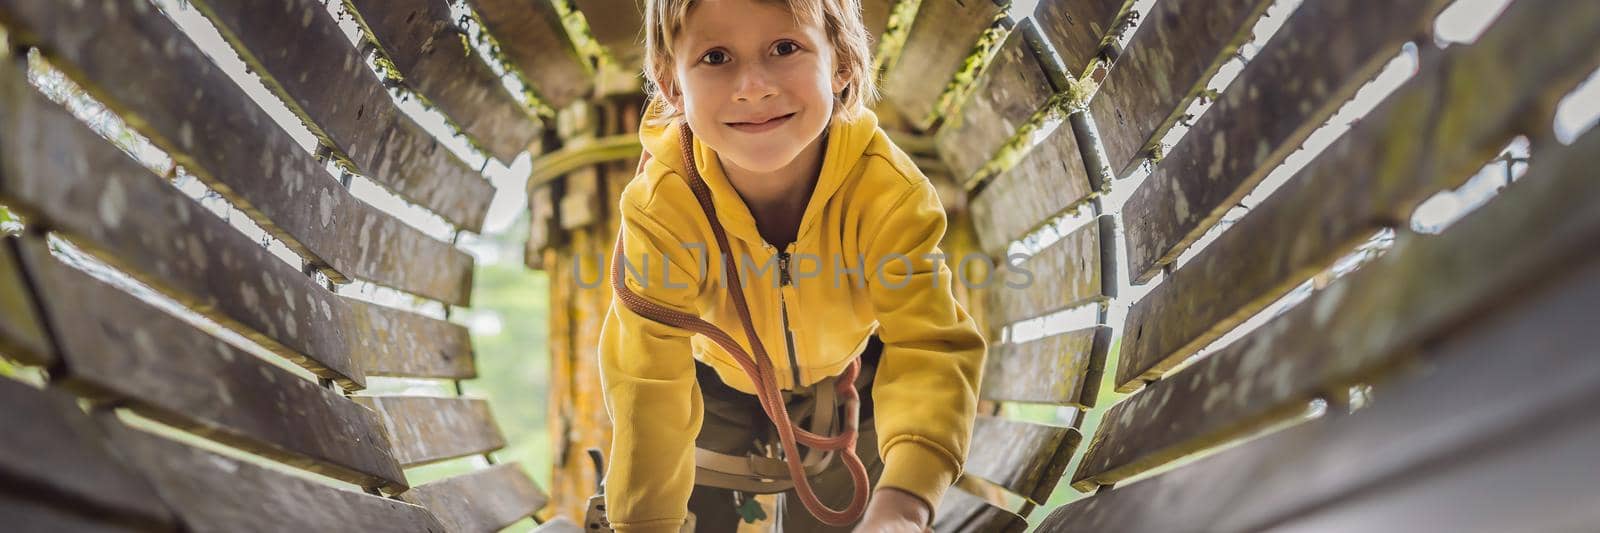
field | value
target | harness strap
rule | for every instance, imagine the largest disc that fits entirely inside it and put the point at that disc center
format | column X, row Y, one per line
column 759, row 368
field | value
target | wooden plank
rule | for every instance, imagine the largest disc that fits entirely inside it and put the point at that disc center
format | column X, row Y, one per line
column 22, row 335
column 942, row 35
column 619, row 27
column 21, row 514
column 1178, row 46
column 962, row 512
column 425, row 429
column 301, row 54
column 52, row 451
column 71, row 180
column 487, row 500
column 1362, row 323
column 1421, row 436
column 1071, row 272
column 1434, row 133
column 1009, row 91
column 392, row 342
column 532, row 38
column 124, row 350
column 213, row 492
column 1060, row 369
column 1026, row 459
column 1079, row 29
column 1050, row 179
column 421, row 39
column 129, row 58
column 1322, row 55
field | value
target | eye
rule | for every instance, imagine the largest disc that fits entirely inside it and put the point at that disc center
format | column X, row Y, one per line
column 715, row 57
column 784, row 48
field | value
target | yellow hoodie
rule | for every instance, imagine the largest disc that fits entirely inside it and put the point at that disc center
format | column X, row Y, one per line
column 864, row 261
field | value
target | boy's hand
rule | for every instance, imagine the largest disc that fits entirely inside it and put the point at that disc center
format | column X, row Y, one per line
column 894, row 511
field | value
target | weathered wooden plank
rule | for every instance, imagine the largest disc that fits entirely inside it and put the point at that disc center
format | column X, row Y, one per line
column 425, row 429
column 130, row 58
column 619, row 27
column 421, row 39
column 961, row 512
column 942, row 35
column 1060, row 369
column 1364, row 322
column 1079, row 29
column 53, row 451
column 487, row 500
column 71, row 180
column 301, row 54
column 212, row 492
column 22, row 335
column 1321, row 56
column 1433, row 133
column 532, row 38
column 1072, row 271
column 1027, row 459
column 1420, row 435
column 392, row 342
column 1009, row 91
column 75, row 182
column 21, row 514
column 1178, row 46
column 126, row 350
column 1049, row 179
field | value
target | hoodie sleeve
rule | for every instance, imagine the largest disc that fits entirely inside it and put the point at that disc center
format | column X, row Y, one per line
column 926, row 388
column 648, row 378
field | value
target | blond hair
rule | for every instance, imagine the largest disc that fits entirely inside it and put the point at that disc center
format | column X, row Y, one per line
column 841, row 20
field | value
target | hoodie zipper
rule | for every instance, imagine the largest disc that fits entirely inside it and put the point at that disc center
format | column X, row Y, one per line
column 783, row 306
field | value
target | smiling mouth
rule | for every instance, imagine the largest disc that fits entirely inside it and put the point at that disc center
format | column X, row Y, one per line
column 755, row 127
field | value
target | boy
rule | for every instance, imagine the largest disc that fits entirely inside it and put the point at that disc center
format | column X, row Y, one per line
column 765, row 103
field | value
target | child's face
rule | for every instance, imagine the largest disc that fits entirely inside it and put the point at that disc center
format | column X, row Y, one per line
column 741, row 62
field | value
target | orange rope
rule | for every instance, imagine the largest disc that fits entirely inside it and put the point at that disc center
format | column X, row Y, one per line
column 759, row 368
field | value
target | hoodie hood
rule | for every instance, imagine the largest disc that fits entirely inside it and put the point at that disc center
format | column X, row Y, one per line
column 847, row 141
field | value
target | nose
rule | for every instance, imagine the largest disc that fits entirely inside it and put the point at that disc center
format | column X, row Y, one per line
column 755, row 83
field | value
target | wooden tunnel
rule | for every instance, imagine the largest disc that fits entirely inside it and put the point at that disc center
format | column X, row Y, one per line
column 1232, row 337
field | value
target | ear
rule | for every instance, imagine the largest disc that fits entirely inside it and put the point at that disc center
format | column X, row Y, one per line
column 669, row 91
column 841, row 79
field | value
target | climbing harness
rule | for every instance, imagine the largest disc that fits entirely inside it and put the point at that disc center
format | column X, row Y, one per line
column 762, row 474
